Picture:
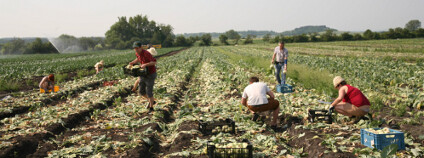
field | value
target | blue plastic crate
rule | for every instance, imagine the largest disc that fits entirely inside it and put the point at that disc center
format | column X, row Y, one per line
column 284, row 88
column 379, row 141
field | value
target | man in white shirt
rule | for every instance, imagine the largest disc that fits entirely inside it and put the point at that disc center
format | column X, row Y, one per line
column 280, row 60
column 254, row 97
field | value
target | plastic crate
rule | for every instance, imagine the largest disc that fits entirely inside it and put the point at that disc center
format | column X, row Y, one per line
column 379, row 141
column 284, row 88
column 320, row 115
column 135, row 72
column 215, row 152
column 207, row 127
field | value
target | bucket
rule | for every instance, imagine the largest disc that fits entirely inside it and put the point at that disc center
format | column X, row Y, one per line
column 55, row 89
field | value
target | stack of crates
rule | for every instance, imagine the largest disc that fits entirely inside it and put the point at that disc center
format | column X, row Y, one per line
column 379, row 141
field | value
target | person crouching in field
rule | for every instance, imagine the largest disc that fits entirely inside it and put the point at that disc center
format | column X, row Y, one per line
column 47, row 83
column 255, row 99
column 351, row 101
column 146, row 82
column 153, row 52
column 99, row 66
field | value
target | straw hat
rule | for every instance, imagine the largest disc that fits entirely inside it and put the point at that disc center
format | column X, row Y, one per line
column 337, row 80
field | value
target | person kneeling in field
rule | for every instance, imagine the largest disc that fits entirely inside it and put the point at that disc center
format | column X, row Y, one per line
column 47, row 83
column 351, row 101
column 99, row 66
column 254, row 97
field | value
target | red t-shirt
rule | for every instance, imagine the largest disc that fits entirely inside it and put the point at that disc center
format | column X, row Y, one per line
column 146, row 57
column 355, row 96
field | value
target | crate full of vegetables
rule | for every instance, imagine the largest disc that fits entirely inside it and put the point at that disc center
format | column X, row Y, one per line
column 241, row 149
column 381, row 137
column 217, row 126
column 135, row 70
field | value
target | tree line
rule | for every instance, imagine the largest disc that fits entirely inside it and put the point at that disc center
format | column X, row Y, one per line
column 64, row 43
column 412, row 30
column 125, row 31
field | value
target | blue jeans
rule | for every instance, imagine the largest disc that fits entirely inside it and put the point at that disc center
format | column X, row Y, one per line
column 281, row 77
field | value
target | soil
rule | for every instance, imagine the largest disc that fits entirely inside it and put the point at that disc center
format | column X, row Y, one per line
column 398, row 123
column 187, row 126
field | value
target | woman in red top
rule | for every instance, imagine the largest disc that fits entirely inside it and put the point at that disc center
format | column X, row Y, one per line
column 351, row 101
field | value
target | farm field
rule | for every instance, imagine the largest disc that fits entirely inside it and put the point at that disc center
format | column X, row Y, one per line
column 403, row 49
column 89, row 119
column 25, row 71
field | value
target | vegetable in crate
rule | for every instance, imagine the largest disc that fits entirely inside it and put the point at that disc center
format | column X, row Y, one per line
column 385, row 130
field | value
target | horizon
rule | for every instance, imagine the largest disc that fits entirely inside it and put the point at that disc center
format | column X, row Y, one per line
column 79, row 18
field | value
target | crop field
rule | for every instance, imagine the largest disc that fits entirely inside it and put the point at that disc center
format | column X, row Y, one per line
column 87, row 118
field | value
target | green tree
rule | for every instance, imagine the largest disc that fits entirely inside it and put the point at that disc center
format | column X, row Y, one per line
column 231, row 34
column 413, row 25
column 346, row 36
column 266, row 37
column 313, row 37
column 193, row 39
column 276, row 39
column 357, row 37
column 369, row 35
column 156, row 39
column 419, row 32
column 181, row 41
column 249, row 39
column 300, row 38
column 119, row 32
column 16, row 46
column 38, row 47
column 328, row 36
column 223, row 39
column 87, row 43
column 206, row 40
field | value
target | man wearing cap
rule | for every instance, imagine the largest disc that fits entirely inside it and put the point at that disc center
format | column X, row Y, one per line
column 279, row 59
column 351, row 101
column 146, row 82
column 255, row 98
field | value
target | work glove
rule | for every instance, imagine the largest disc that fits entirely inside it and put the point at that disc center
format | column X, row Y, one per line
column 331, row 108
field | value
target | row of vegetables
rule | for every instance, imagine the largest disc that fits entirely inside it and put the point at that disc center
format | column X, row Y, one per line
column 396, row 83
column 23, row 67
column 302, row 100
column 127, row 118
column 118, row 117
column 215, row 84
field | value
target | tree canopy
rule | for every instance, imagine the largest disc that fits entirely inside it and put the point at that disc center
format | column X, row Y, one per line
column 138, row 28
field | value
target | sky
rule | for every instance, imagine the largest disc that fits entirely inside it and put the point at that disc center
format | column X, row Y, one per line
column 88, row 18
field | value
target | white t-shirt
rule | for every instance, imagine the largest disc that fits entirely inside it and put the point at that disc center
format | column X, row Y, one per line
column 256, row 93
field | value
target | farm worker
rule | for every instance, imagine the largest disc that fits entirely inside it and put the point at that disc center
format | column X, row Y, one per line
column 279, row 59
column 255, row 99
column 47, row 83
column 351, row 101
column 146, row 82
column 99, row 66
column 153, row 52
